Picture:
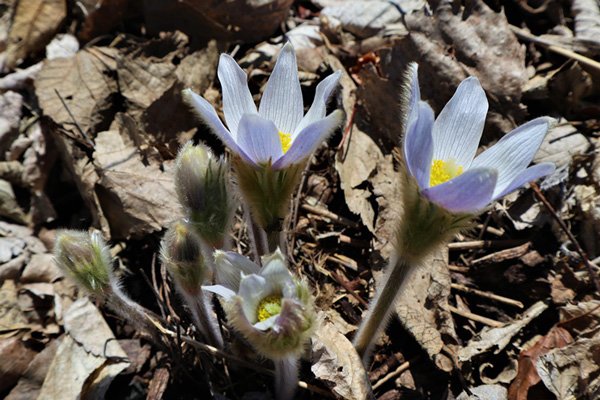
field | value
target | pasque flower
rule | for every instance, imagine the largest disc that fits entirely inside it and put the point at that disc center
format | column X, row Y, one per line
column 273, row 310
column 278, row 133
column 272, row 144
column 440, row 153
column 444, row 185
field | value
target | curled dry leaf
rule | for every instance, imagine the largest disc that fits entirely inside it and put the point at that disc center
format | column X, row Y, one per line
column 498, row 338
column 19, row 354
column 572, row 372
column 335, row 361
column 527, row 376
column 487, row 392
column 34, row 24
column 88, row 358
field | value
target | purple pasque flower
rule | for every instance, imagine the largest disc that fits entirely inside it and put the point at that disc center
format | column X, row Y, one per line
column 278, row 133
column 269, row 306
column 440, row 153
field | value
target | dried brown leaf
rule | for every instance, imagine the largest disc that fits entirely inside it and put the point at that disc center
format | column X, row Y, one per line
column 422, row 308
column 527, row 376
column 136, row 198
column 85, row 84
column 335, row 361
column 497, row 339
column 16, row 357
column 80, row 368
column 34, row 24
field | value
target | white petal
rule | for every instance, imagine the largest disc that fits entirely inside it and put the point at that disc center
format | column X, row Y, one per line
column 220, row 290
column 318, row 108
column 528, row 175
column 267, row 323
column 258, row 137
column 514, row 152
column 282, row 100
column 209, row 116
column 237, row 99
column 309, row 139
column 230, row 266
column 467, row 193
column 458, row 128
column 418, row 144
column 253, row 288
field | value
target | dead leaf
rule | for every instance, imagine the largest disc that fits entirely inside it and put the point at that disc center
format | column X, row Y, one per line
column 35, row 22
column 485, row 392
column 84, row 83
column 527, row 376
column 201, row 20
column 10, row 116
column 87, row 359
column 586, row 14
column 16, row 357
column 498, row 338
column 572, row 372
column 12, row 319
column 335, row 362
column 102, row 16
column 422, row 308
column 363, row 18
column 32, row 379
column 137, row 199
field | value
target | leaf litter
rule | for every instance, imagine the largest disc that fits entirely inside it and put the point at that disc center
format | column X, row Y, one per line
column 88, row 133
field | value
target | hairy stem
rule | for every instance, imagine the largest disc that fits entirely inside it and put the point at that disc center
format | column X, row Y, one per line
column 204, row 319
column 132, row 312
column 286, row 377
column 273, row 240
column 382, row 304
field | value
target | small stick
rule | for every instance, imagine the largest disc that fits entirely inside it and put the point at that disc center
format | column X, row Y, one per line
column 331, row 215
column 456, row 268
column 480, row 244
column 346, row 286
column 397, row 372
column 487, row 295
column 556, row 48
column 474, row 317
column 563, row 226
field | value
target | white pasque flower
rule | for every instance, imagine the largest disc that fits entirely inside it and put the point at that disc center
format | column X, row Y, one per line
column 271, row 308
column 279, row 132
column 440, row 153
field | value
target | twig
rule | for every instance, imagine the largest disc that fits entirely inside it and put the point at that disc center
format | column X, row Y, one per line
column 487, row 295
column 556, row 48
column 322, row 211
column 582, row 254
column 346, row 286
column 480, row 244
column 397, row 372
column 474, row 317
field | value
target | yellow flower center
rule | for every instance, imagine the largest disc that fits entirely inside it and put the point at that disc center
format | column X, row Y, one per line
column 442, row 171
column 286, row 141
column 268, row 307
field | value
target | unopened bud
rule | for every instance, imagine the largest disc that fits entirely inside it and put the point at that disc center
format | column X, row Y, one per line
column 203, row 188
column 86, row 258
column 182, row 254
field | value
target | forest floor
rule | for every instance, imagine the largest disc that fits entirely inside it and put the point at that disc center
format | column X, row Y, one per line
column 91, row 118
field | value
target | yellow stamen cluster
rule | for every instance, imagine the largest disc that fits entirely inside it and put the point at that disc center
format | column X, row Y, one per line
column 442, row 171
column 286, row 141
column 268, row 307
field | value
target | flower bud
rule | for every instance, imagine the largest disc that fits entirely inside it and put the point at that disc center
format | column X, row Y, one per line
column 86, row 258
column 203, row 189
column 182, row 255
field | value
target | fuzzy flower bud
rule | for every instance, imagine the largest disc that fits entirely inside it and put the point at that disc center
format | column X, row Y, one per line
column 203, row 189
column 85, row 257
column 272, row 309
column 181, row 253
